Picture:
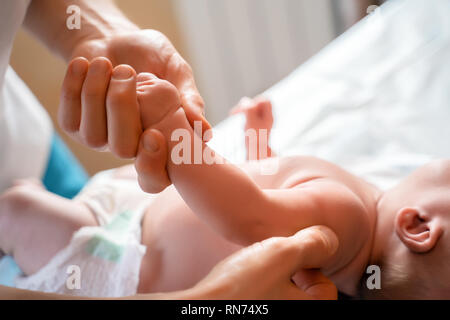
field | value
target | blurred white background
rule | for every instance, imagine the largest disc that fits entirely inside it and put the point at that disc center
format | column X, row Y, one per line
column 242, row 47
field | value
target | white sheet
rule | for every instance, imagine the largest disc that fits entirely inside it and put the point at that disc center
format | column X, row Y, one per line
column 375, row 101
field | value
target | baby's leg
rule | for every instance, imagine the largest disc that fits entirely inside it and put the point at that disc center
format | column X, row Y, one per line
column 35, row 224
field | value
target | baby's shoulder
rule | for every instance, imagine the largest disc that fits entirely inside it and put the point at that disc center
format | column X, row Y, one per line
column 301, row 169
column 334, row 189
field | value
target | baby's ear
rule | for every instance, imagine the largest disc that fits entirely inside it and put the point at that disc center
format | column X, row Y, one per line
column 417, row 230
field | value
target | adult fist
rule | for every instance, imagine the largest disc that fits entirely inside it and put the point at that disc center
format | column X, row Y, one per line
column 83, row 106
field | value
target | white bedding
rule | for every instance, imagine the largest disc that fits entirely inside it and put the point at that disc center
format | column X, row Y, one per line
column 375, row 101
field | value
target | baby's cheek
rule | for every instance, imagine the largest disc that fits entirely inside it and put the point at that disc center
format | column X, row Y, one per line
column 157, row 101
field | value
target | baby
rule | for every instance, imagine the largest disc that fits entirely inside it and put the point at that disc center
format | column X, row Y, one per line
column 125, row 241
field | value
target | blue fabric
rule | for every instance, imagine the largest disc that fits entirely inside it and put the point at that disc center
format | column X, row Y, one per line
column 64, row 175
column 8, row 271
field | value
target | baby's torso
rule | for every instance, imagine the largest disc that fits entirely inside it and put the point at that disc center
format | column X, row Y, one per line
column 181, row 249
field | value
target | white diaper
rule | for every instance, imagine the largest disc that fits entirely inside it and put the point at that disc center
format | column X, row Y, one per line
column 101, row 261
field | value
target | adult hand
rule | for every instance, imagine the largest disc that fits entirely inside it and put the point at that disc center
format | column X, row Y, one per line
column 83, row 112
column 262, row 271
column 106, row 32
column 265, row 269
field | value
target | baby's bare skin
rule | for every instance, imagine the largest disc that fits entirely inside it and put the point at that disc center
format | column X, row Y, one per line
column 182, row 249
column 214, row 209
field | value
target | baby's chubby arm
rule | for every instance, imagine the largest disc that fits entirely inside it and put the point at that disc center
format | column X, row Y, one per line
column 220, row 193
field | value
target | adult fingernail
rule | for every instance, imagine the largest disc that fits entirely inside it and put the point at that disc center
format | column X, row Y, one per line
column 150, row 143
column 122, row 72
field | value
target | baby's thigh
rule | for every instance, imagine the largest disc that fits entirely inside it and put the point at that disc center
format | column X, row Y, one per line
column 35, row 224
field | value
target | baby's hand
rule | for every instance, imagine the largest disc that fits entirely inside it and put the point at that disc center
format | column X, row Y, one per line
column 157, row 99
column 258, row 112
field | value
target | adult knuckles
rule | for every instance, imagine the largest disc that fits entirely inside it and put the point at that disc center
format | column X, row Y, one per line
column 67, row 124
column 93, row 141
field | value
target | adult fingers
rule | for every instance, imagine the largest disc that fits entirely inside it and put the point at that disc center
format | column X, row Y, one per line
column 180, row 74
column 93, row 126
column 123, row 118
column 151, row 162
column 192, row 104
column 314, row 284
column 308, row 248
column 69, row 113
column 313, row 247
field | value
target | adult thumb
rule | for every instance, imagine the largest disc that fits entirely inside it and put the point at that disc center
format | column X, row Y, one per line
column 193, row 106
column 312, row 247
column 151, row 162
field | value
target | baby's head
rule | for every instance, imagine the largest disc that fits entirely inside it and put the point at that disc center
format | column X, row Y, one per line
column 412, row 237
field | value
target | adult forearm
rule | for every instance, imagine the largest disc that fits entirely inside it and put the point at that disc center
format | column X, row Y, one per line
column 46, row 19
column 8, row 293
